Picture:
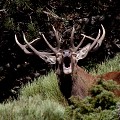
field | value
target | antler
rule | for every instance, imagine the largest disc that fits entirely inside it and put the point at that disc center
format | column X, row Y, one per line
column 46, row 56
column 55, row 50
column 50, row 57
column 96, row 41
column 24, row 47
column 57, row 38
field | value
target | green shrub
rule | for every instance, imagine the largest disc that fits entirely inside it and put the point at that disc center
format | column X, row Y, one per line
column 101, row 105
column 108, row 66
column 32, row 108
column 46, row 86
column 40, row 100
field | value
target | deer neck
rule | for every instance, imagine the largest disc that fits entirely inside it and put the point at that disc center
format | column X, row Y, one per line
column 65, row 83
column 82, row 82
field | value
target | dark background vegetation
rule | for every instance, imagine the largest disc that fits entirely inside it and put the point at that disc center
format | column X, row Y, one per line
column 17, row 68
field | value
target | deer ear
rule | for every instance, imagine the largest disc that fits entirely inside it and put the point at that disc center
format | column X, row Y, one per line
column 82, row 53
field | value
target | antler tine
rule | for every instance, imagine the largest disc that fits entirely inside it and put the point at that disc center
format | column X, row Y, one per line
column 85, row 36
column 57, row 38
column 76, row 48
column 103, row 36
column 30, row 46
column 40, row 54
column 98, row 36
column 72, row 37
column 23, row 47
column 46, row 56
column 91, row 37
column 50, row 46
column 99, row 40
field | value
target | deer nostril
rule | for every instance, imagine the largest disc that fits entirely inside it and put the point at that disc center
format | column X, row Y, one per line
column 67, row 62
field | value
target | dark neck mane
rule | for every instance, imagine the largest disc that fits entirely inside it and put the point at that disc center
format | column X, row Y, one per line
column 65, row 84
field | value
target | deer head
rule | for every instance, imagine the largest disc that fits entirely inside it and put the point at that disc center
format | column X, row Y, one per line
column 65, row 60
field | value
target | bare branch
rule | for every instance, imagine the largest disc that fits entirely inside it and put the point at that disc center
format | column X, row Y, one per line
column 50, row 13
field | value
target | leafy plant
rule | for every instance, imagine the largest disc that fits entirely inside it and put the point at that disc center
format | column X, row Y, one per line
column 102, row 103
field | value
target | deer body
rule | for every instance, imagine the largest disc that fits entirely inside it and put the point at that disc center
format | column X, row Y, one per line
column 72, row 79
column 111, row 76
column 80, row 82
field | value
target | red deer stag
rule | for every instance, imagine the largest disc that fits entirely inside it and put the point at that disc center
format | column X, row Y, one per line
column 73, row 80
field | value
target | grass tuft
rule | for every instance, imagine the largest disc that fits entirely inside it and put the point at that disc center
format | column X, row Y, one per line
column 108, row 66
column 32, row 108
column 46, row 86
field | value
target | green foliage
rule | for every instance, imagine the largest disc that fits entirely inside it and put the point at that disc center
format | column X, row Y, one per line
column 23, row 3
column 101, row 115
column 47, row 87
column 102, row 103
column 9, row 24
column 40, row 100
column 32, row 108
column 32, row 30
column 108, row 66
